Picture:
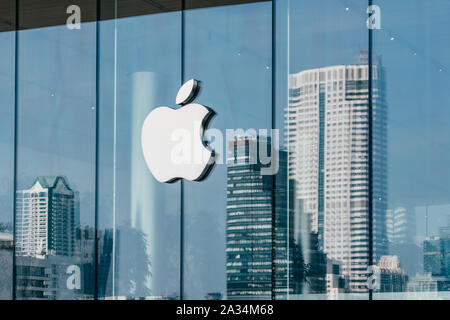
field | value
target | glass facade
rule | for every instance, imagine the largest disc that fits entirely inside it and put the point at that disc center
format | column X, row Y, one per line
column 329, row 138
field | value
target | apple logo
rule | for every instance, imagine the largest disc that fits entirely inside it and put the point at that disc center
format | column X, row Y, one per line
column 172, row 139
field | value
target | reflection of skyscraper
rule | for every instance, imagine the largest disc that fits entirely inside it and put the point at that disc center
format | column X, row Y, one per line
column 436, row 254
column 400, row 226
column 252, row 269
column 46, row 218
column 401, row 237
column 327, row 127
column 51, row 246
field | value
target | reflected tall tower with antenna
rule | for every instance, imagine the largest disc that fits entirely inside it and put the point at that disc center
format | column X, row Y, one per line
column 327, row 130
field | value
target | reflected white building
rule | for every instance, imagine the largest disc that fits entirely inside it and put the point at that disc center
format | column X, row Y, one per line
column 326, row 132
column 46, row 218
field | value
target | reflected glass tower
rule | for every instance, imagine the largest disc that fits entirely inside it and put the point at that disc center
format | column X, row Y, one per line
column 326, row 131
column 260, row 246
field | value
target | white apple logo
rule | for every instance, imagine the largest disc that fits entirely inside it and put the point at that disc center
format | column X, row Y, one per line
column 172, row 139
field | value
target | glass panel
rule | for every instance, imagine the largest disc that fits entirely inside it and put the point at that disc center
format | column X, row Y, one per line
column 227, row 232
column 139, row 217
column 55, row 214
column 413, row 43
column 7, row 81
column 325, row 131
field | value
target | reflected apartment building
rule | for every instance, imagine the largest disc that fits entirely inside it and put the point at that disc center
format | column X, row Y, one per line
column 326, row 133
column 46, row 218
column 50, row 240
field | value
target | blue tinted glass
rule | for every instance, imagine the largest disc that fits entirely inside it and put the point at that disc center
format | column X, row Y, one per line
column 230, row 50
column 413, row 42
column 55, row 231
column 322, row 111
column 138, row 216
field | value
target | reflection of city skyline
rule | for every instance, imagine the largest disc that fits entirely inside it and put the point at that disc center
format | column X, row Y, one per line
column 51, row 243
column 326, row 253
column 327, row 130
column 55, row 254
column 296, row 265
column 288, row 260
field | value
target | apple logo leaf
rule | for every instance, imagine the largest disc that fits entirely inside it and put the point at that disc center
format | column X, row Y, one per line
column 187, row 92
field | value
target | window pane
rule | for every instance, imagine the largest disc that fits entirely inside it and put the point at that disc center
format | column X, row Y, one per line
column 139, row 217
column 324, row 120
column 55, row 194
column 229, row 49
column 414, row 44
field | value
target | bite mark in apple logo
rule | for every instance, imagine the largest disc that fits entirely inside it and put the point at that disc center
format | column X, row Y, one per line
column 172, row 139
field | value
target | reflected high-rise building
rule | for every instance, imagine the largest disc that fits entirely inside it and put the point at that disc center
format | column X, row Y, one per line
column 401, row 235
column 55, row 255
column 260, row 247
column 436, row 254
column 436, row 264
column 326, row 133
column 401, row 226
column 46, row 218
